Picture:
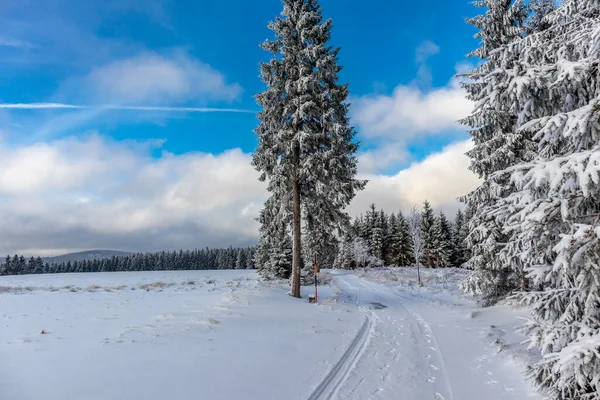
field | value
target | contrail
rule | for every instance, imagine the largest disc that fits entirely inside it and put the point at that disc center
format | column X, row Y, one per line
column 39, row 106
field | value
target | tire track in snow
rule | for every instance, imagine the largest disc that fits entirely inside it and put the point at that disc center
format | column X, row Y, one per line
column 338, row 375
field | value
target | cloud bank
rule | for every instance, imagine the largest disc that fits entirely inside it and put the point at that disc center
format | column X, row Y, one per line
column 92, row 192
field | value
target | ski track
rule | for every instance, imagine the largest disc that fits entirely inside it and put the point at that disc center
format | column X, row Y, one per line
column 338, row 375
column 369, row 295
column 403, row 358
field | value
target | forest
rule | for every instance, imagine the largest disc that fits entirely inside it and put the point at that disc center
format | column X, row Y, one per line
column 202, row 259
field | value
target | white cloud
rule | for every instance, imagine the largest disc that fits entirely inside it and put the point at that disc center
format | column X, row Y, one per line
column 91, row 192
column 158, row 79
column 379, row 158
column 94, row 192
column 440, row 178
column 426, row 50
column 409, row 112
column 422, row 54
column 390, row 122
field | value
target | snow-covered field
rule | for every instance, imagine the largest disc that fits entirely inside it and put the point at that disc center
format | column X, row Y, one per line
column 226, row 335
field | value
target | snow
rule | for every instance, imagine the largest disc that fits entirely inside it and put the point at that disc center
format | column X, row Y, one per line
column 431, row 342
column 226, row 334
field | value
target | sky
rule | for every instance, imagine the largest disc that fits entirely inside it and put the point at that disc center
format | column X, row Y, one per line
column 128, row 124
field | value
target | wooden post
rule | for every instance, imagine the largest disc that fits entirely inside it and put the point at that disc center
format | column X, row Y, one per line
column 316, row 285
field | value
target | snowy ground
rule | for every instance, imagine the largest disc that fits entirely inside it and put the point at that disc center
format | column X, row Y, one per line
column 225, row 335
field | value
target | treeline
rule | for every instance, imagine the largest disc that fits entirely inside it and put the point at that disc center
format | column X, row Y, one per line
column 378, row 239
column 202, row 259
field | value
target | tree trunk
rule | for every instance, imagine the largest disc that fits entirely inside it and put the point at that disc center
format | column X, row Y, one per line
column 296, row 227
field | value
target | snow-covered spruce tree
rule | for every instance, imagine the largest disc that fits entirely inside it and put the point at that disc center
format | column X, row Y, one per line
column 459, row 235
column 344, row 258
column 555, row 211
column 497, row 145
column 398, row 250
column 442, row 241
column 306, row 143
column 539, row 9
column 406, row 251
column 389, row 246
column 377, row 239
column 274, row 221
column 428, row 235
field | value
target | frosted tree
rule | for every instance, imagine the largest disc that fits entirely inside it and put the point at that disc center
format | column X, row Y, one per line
column 414, row 221
column 361, row 252
column 405, row 245
column 398, row 250
column 306, row 146
column 459, row 236
column 274, row 222
column 539, row 10
column 442, row 241
column 377, row 238
column 344, row 258
column 554, row 213
column 497, row 145
column 428, row 235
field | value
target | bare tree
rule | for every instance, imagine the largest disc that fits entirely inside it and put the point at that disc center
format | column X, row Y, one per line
column 360, row 252
column 416, row 238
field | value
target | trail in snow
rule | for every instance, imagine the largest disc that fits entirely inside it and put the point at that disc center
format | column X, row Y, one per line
column 423, row 350
column 329, row 387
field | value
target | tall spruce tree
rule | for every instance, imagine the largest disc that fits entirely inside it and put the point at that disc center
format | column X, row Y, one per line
column 459, row 236
column 428, row 236
column 443, row 241
column 405, row 244
column 306, row 143
column 555, row 210
column 497, row 145
column 344, row 258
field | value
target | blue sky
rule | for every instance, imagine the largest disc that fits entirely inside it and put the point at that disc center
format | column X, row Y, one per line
column 162, row 55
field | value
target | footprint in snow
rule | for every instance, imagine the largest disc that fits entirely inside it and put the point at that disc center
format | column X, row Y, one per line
column 438, row 396
column 434, row 367
column 431, row 379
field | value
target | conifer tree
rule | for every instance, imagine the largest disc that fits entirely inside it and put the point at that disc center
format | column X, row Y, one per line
column 428, row 236
column 442, row 241
column 414, row 222
column 390, row 247
column 497, row 145
column 344, row 258
column 554, row 213
column 406, row 256
column 539, row 10
column 459, row 236
column 306, row 143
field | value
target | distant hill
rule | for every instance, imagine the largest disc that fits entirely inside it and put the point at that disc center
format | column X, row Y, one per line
column 84, row 255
